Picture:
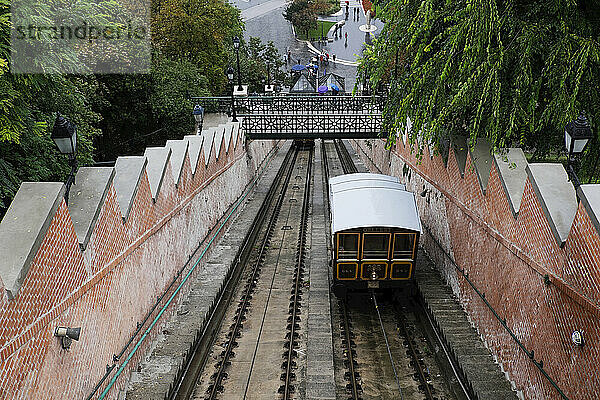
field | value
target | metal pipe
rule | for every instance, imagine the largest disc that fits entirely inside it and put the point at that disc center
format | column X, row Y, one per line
column 530, row 354
column 115, row 357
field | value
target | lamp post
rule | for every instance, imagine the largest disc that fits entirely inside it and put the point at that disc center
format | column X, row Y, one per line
column 268, row 74
column 577, row 135
column 268, row 87
column 64, row 135
column 236, row 46
column 230, row 79
column 198, row 114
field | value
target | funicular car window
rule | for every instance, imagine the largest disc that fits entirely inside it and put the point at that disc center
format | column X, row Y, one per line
column 404, row 245
column 348, row 246
column 375, row 246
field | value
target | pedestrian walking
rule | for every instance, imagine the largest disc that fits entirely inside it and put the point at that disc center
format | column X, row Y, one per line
column 334, row 58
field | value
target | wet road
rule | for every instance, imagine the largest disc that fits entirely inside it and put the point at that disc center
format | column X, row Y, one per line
column 264, row 19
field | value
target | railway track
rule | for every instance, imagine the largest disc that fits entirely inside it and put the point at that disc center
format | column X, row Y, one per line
column 290, row 353
column 387, row 335
column 228, row 357
column 240, row 359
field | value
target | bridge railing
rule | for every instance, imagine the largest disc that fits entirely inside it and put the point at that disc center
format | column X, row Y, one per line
column 312, row 126
column 294, row 104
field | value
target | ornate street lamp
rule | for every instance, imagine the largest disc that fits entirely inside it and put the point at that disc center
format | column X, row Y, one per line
column 230, row 79
column 198, row 114
column 236, row 46
column 64, row 135
column 577, row 135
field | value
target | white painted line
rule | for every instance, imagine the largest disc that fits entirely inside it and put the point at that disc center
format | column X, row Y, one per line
column 262, row 9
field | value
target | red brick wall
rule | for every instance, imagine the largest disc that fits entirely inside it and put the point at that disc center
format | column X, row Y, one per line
column 111, row 286
column 507, row 259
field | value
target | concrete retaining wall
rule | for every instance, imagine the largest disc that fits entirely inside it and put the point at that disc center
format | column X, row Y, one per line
column 101, row 262
column 526, row 241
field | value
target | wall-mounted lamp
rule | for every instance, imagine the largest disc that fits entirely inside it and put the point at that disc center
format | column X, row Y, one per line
column 198, row 114
column 64, row 134
column 577, row 135
column 67, row 335
column 577, row 338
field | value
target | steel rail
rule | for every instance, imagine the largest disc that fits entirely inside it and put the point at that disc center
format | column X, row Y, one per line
column 224, row 359
column 345, row 159
column 298, row 271
column 354, row 386
column 449, row 357
column 415, row 357
column 387, row 343
column 186, row 380
column 353, row 374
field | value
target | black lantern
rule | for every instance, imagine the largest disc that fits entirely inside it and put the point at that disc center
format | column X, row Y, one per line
column 236, row 46
column 230, row 79
column 198, row 114
column 577, row 135
column 64, row 135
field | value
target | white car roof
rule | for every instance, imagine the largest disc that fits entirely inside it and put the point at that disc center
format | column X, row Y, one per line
column 371, row 200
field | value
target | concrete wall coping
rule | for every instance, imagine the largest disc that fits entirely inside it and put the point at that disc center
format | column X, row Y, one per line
column 511, row 164
column 460, row 147
column 218, row 139
column 556, row 195
column 481, row 156
column 23, row 228
column 235, row 132
column 212, row 120
column 229, row 128
column 128, row 173
column 158, row 158
column 179, row 149
column 86, row 199
column 207, row 145
column 590, row 198
column 195, row 144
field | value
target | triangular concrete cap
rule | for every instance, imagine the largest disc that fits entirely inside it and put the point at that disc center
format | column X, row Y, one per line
column 511, row 164
column 179, row 149
column 158, row 157
column 556, row 195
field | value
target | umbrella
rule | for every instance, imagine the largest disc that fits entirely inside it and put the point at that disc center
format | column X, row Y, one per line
column 298, row 67
column 335, row 87
column 322, row 89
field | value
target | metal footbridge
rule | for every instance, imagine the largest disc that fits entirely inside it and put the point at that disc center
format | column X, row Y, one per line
column 303, row 117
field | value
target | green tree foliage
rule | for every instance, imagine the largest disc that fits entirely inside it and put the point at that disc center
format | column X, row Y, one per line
column 197, row 31
column 302, row 14
column 31, row 155
column 256, row 57
column 192, row 42
column 512, row 71
column 28, row 108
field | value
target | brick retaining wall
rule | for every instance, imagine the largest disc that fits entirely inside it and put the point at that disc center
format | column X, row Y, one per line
column 128, row 260
column 508, row 254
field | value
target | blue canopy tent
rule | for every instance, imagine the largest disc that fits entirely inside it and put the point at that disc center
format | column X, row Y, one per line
column 298, row 67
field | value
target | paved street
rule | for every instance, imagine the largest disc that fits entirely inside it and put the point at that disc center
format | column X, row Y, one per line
column 264, row 19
